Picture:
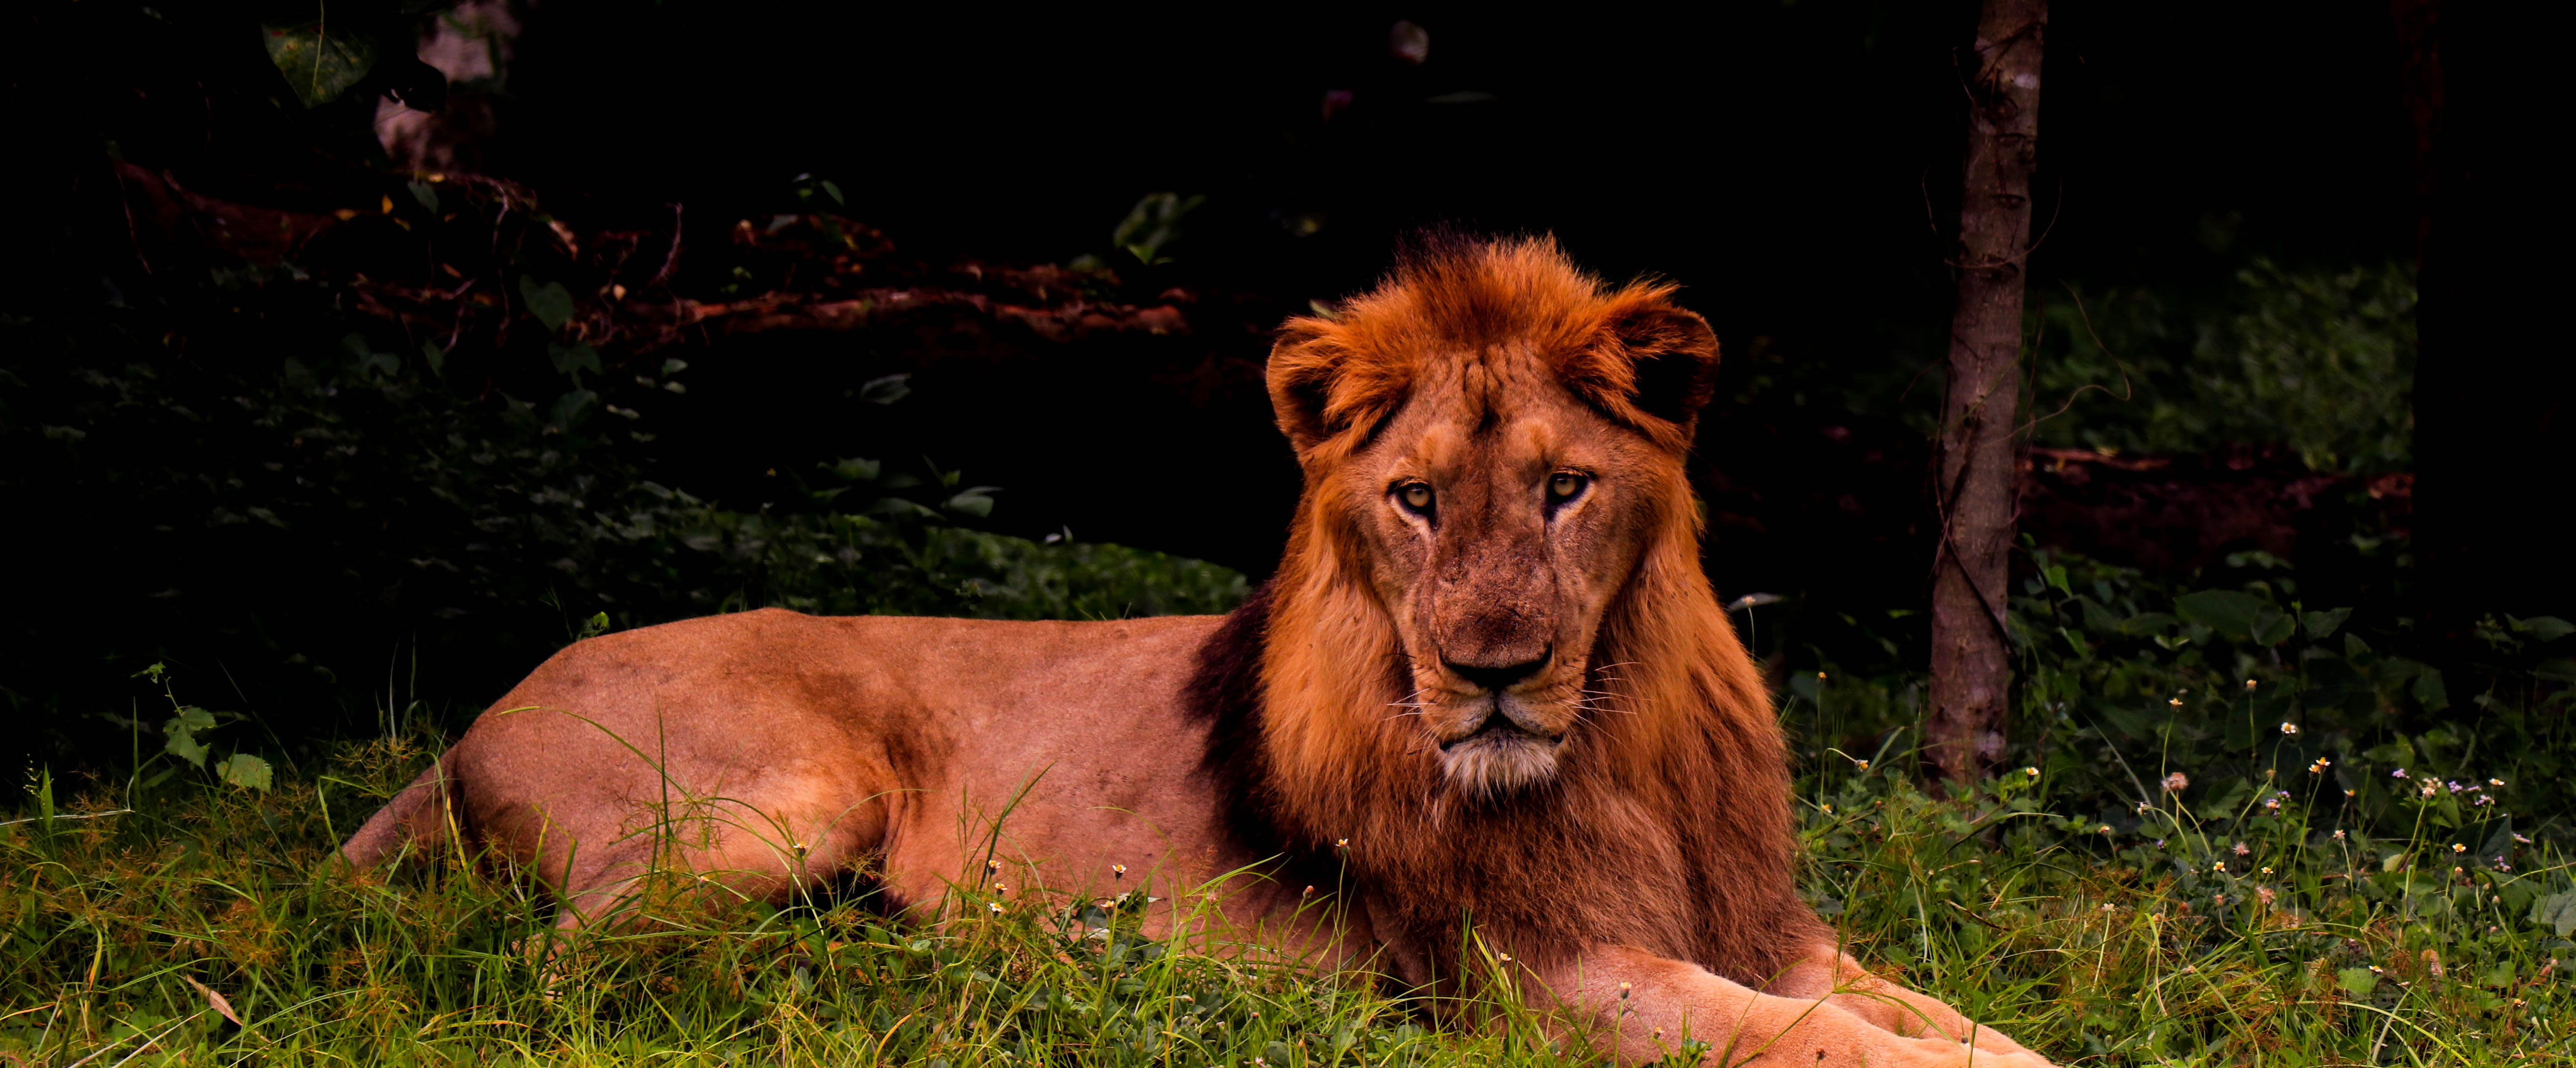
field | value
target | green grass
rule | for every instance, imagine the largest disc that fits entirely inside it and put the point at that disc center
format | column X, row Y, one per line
column 2248, row 834
column 2154, row 943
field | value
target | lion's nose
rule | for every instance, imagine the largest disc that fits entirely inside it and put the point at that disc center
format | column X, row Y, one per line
column 1497, row 679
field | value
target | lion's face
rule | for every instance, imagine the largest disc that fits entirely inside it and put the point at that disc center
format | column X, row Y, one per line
column 1500, row 516
column 1493, row 442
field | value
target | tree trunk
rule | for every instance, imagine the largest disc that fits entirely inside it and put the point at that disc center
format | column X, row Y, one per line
column 2495, row 372
column 1971, row 666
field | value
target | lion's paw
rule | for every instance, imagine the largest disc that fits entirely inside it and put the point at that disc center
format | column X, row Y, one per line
column 1942, row 1053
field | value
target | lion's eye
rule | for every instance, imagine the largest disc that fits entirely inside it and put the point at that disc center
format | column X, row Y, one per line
column 1416, row 496
column 1563, row 485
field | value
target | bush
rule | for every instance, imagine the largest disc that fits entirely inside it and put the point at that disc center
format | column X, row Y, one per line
column 2320, row 361
column 422, row 453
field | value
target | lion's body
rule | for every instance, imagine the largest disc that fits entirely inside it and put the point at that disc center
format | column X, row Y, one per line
column 1489, row 684
column 847, row 737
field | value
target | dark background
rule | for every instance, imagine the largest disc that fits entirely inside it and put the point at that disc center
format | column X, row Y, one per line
column 1793, row 165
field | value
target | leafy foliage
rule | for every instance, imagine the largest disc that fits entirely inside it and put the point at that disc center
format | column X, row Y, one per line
column 2322, row 361
column 431, row 435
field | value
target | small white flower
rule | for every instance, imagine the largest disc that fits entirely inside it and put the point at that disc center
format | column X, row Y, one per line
column 2030, row 772
column 2175, row 782
column 2338, row 836
column 2289, row 727
column 2240, row 850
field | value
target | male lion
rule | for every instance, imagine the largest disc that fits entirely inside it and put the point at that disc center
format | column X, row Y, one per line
column 1489, row 684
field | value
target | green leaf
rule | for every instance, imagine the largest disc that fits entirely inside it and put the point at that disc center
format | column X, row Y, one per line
column 2429, row 691
column 550, row 302
column 977, row 501
column 2097, row 618
column 2057, row 577
column 2146, row 623
column 1153, row 224
column 571, row 408
column 181, row 737
column 2561, row 669
column 2241, row 731
column 2229, row 612
column 832, row 189
column 245, row 771
column 2321, row 625
column 426, row 194
column 2556, row 912
column 886, row 390
column 574, row 359
column 317, row 66
column 435, row 356
column 854, row 469
column 2358, row 982
column 2544, row 628
column 2273, row 628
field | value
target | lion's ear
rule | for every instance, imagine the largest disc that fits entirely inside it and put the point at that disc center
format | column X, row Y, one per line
column 1658, row 361
column 1303, row 364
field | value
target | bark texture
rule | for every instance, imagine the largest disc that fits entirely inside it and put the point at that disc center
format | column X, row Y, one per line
column 2495, row 371
column 1971, row 667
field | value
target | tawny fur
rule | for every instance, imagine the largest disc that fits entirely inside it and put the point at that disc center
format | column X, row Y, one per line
column 1489, row 687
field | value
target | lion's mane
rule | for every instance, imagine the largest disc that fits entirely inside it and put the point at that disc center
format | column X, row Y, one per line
column 1667, row 828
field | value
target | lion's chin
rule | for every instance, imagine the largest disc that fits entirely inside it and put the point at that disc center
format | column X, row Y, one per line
column 1501, row 761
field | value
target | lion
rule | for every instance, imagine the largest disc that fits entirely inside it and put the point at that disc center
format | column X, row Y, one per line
column 1489, row 685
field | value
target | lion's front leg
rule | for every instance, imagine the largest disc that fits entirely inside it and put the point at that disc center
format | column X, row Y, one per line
column 1646, row 1006
column 1830, row 974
